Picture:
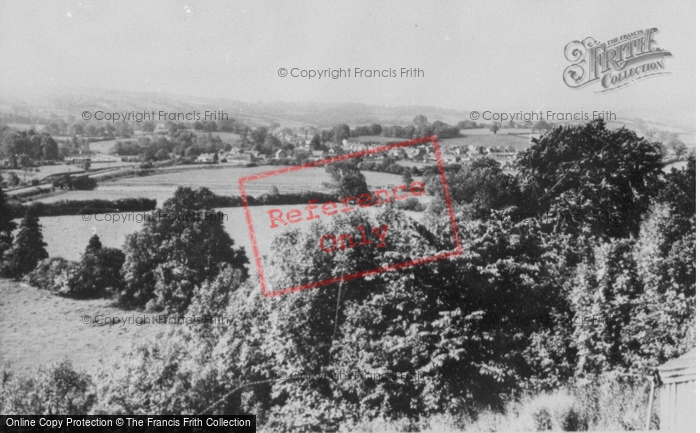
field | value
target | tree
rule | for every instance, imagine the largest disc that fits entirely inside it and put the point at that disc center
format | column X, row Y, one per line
column 589, row 174
column 162, row 155
column 49, row 148
column 340, row 133
column 420, row 120
column 677, row 148
column 7, row 225
column 315, row 142
column 148, row 127
column 13, row 179
column 495, row 127
column 28, row 249
column 25, row 161
column 482, row 184
column 406, row 176
column 541, row 126
column 348, row 179
column 181, row 248
column 94, row 245
column 98, row 273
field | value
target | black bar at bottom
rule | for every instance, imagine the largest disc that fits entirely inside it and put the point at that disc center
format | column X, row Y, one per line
column 131, row 424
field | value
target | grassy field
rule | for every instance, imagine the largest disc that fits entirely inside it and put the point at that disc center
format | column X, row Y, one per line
column 221, row 180
column 227, row 137
column 103, row 146
column 376, row 139
column 40, row 328
column 679, row 165
column 67, row 236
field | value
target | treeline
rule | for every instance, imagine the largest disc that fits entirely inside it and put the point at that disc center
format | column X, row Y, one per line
column 77, row 207
column 389, row 165
column 219, row 201
column 182, row 143
column 28, row 144
column 420, row 127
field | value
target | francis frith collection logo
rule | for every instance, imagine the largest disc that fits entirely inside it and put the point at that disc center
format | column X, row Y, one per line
column 615, row 63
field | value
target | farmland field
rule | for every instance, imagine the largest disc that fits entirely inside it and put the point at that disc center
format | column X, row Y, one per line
column 377, row 139
column 221, row 180
column 226, row 137
column 39, row 328
column 103, row 146
column 67, row 236
column 678, row 165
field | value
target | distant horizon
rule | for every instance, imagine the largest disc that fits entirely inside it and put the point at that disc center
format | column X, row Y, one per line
column 47, row 92
column 473, row 56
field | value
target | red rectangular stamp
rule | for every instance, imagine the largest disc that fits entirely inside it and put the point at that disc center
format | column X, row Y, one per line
column 330, row 243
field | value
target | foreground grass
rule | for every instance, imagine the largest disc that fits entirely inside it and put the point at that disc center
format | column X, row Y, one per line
column 606, row 405
column 38, row 328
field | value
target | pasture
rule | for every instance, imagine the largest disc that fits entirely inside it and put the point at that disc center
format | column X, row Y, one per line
column 67, row 236
column 39, row 328
column 376, row 139
column 221, row 179
column 104, row 147
column 227, row 137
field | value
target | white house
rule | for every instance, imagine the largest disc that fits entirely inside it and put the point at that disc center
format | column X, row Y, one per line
column 206, row 157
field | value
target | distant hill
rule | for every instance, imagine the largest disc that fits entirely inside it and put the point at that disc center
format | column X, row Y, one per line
column 37, row 103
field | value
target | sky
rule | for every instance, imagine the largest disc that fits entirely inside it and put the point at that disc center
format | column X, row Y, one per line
column 485, row 55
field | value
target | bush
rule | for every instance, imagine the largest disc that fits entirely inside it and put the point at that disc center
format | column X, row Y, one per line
column 52, row 274
column 57, row 389
column 412, row 204
column 82, row 183
column 98, row 274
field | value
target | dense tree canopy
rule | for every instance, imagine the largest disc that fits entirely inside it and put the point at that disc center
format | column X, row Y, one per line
column 590, row 170
column 183, row 246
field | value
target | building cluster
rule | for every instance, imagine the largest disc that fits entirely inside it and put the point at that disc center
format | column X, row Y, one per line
column 424, row 153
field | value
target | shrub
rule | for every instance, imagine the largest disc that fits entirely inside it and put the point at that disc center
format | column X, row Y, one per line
column 52, row 274
column 57, row 389
column 75, row 182
column 98, row 274
column 412, row 204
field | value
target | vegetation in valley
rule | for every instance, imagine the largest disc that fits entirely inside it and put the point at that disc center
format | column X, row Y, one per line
column 545, row 322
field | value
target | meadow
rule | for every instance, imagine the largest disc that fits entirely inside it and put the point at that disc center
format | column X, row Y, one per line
column 34, row 321
column 221, row 179
column 67, row 236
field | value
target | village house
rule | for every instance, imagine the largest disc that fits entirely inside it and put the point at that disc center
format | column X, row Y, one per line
column 207, row 158
column 282, row 154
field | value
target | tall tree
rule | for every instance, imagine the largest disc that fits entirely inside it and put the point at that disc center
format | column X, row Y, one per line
column 589, row 173
column 94, row 245
column 348, row 179
column 183, row 246
column 29, row 247
column 7, row 226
